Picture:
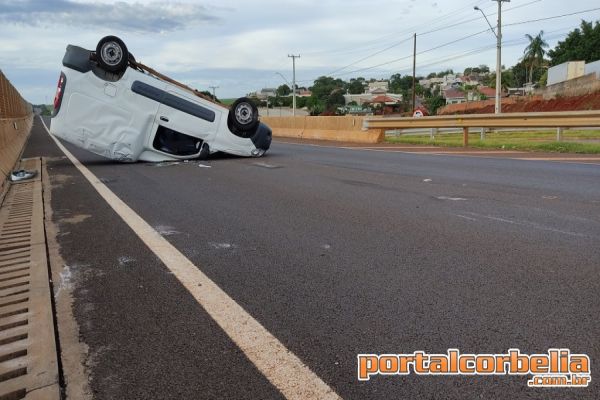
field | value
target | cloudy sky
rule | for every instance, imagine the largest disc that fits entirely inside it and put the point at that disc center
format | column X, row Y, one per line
column 242, row 46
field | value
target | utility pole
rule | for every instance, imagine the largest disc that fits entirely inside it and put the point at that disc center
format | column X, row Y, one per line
column 499, row 58
column 498, row 35
column 293, row 57
column 213, row 90
column 414, row 88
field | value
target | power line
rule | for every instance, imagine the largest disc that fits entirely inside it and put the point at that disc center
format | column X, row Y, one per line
column 554, row 17
column 475, row 19
column 371, row 55
column 398, row 33
column 461, row 39
column 422, row 34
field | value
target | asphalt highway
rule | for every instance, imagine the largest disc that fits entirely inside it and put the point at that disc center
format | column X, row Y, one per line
column 335, row 252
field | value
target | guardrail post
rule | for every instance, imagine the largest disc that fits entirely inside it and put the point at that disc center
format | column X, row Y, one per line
column 432, row 133
column 465, row 136
column 482, row 134
column 559, row 132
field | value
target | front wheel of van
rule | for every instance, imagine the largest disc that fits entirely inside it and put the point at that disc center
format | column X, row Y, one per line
column 112, row 54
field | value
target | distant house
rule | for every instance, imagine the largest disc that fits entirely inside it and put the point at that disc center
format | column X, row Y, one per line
column 378, row 86
column 454, row 96
column 359, row 99
column 303, row 92
column 378, row 91
column 265, row 93
column 488, row 92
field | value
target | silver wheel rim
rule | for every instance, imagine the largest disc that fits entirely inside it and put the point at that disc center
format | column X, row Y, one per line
column 111, row 53
column 243, row 113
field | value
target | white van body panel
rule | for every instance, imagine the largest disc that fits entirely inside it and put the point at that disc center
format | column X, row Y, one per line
column 110, row 119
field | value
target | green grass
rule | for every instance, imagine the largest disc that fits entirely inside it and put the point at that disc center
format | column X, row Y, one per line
column 227, row 102
column 528, row 141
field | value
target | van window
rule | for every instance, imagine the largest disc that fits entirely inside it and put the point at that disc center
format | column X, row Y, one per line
column 176, row 143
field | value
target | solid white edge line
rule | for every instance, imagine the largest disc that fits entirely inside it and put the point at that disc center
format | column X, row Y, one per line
column 279, row 365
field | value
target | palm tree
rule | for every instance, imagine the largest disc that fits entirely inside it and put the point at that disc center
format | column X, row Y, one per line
column 534, row 52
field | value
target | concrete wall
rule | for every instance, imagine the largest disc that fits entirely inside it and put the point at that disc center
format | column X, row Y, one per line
column 565, row 71
column 575, row 87
column 593, row 68
column 340, row 129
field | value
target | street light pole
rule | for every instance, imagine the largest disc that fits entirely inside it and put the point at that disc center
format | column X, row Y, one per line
column 498, row 35
column 293, row 57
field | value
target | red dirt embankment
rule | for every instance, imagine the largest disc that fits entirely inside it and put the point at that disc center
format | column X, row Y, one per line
column 526, row 104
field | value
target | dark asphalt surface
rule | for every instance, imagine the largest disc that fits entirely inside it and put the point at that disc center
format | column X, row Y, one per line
column 336, row 252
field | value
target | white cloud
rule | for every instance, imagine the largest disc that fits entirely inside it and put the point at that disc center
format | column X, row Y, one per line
column 144, row 17
column 239, row 46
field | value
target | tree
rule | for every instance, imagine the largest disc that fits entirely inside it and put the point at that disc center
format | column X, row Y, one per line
column 355, row 87
column 400, row 84
column 441, row 74
column 534, row 52
column 582, row 44
column 484, row 69
column 283, row 90
column 323, row 88
column 434, row 102
column 508, row 79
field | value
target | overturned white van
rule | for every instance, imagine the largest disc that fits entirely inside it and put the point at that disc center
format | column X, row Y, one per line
column 108, row 103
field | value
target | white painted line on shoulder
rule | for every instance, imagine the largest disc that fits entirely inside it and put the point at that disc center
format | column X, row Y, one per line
column 279, row 365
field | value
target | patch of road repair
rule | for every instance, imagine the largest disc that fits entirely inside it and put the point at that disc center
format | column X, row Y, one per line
column 221, row 246
column 451, row 198
column 293, row 378
column 166, row 230
column 75, row 219
column 266, row 165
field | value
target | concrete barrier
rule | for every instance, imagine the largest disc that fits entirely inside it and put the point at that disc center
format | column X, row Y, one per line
column 288, row 127
column 339, row 129
column 16, row 118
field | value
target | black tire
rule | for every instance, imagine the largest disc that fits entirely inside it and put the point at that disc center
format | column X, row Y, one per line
column 204, row 152
column 243, row 117
column 112, row 54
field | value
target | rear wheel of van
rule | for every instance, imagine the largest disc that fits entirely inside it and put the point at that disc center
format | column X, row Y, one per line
column 243, row 117
column 112, row 54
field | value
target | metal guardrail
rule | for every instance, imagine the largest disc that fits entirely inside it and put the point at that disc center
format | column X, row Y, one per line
column 559, row 120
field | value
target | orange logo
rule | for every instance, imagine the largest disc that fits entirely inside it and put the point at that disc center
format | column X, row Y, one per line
column 556, row 368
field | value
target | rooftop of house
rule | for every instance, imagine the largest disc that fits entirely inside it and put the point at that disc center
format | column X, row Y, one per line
column 454, row 94
column 487, row 91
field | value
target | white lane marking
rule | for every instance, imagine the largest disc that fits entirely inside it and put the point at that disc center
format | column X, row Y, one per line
column 427, row 180
column 465, row 217
column 451, row 198
column 533, row 225
column 279, row 365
